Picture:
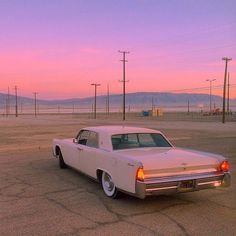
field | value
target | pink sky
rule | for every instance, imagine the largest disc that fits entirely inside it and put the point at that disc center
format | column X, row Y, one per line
column 59, row 50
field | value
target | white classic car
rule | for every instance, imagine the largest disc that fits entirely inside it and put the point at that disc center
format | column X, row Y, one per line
column 140, row 162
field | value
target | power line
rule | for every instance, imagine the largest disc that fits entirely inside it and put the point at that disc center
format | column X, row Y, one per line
column 196, row 88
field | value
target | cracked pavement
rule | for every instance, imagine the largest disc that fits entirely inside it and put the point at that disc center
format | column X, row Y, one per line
column 39, row 198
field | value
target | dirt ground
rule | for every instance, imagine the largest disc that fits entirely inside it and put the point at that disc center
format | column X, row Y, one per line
column 38, row 198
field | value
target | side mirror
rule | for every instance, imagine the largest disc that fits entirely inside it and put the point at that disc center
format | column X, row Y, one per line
column 75, row 140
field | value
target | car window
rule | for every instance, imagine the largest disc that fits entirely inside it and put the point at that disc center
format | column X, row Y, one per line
column 139, row 140
column 146, row 140
column 92, row 140
column 160, row 140
column 83, row 137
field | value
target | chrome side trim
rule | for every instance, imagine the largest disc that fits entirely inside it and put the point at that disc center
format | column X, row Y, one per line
column 158, row 189
column 209, row 182
column 182, row 177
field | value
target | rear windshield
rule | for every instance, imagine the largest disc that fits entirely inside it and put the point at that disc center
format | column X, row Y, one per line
column 138, row 140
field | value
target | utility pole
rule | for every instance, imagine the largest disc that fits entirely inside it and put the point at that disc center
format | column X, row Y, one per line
column 124, row 81
column 8, row 102
column 21, row 107
column 95, row 98
column 6, row 107
column 152, row 104
column 210, row 80
column 35, row 104
column 108, row 100
column 16, row 101
column 188, row 106
column 225, row 77
column 8, row 98
column 228, row 96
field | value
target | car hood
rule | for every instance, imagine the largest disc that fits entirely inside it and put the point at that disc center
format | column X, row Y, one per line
column 173, row 160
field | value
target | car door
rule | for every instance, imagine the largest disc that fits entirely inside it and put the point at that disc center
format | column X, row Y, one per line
column 87, row 161
column 70, row 153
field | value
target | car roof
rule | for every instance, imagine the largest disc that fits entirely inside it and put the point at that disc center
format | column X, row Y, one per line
column 112, row 129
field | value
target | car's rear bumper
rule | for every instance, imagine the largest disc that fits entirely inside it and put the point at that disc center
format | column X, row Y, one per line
column 179, row 184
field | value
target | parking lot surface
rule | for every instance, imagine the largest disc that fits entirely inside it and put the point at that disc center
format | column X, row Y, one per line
column 39, row 198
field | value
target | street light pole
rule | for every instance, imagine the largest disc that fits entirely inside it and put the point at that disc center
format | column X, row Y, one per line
column 95, row 98
column 210, row 80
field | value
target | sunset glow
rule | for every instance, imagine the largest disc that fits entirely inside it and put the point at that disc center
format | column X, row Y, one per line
column 59, row 47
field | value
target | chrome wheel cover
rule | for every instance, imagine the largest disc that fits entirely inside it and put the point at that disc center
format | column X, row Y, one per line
column 107, row 184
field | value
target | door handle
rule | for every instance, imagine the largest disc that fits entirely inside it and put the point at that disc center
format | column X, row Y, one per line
column 129, row 164
column 80, row 149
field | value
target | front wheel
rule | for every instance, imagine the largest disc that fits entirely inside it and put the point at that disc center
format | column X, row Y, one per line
column 108, row 186
column 62, row 164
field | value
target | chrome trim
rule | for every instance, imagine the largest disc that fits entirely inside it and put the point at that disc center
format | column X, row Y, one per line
column 182, row 177
column 158, row 189
column 171, row 185
column 210, row 182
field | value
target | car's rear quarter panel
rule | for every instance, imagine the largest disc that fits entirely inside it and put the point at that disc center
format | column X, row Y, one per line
column 122, row 170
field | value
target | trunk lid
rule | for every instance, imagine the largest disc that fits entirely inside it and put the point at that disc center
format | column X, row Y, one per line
column 158, row 162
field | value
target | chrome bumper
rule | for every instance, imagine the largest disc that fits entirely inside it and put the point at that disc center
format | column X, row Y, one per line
column 180, row 184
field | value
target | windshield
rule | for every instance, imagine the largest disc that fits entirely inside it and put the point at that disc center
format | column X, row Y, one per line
column 138, row 140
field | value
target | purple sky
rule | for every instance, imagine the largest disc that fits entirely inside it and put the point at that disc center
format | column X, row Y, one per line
column 59, row 47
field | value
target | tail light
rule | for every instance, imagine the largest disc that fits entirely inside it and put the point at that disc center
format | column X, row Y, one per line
column 224, row 166
column 140, row 174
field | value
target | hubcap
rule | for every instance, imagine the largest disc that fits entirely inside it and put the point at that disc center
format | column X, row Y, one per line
column 108, row 184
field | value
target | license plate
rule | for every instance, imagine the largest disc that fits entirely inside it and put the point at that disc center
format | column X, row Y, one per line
column 187, row 185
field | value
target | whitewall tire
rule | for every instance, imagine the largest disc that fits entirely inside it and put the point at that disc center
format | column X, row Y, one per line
column 108, row 185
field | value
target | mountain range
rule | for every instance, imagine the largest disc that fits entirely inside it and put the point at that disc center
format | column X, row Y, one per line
column 139, row 99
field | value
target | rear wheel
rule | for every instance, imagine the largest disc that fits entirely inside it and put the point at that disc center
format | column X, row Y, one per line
column 62, row 164
column 108, row 186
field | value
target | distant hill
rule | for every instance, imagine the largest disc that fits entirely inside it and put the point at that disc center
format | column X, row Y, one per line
column 140, row 99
